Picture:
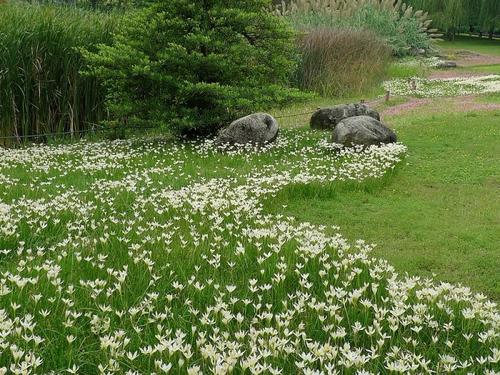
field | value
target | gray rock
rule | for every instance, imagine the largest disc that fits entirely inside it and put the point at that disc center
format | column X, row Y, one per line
column 328, row 118
column 446, row 64
column 258, row 129
column 362, row 130
column 419, row 52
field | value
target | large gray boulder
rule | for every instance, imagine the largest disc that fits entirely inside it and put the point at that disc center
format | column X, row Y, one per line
column 362, row 130
column 418, row 52
column 258, row 129
column 328, row 118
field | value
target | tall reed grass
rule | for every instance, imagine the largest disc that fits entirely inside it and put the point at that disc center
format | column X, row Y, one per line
column 41, row 90
column 342, row 62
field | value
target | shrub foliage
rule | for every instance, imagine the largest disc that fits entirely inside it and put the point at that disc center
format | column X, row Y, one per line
column 193, row 66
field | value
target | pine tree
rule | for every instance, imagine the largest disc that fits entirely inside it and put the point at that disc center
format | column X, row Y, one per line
column 194, row 65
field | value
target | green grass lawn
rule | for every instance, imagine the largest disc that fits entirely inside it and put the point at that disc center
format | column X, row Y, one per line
column 437, row 214
column 492, row 69
column 473, row 44
column 397, row 70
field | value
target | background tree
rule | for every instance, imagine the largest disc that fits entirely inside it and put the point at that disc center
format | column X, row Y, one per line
column 489, row 16
column 446, row 15
column 452, row 16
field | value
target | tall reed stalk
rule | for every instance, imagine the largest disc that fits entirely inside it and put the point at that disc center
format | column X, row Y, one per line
column 41, row 90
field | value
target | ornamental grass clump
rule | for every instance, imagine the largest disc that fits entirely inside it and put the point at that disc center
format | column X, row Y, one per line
column 402, row 27
column 341, row 62
column 192, row 67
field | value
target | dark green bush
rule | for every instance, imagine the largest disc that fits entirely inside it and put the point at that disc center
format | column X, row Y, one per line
column 193, row 66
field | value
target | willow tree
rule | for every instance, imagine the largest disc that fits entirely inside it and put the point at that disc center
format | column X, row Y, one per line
column 447, row 15
column 455, row 15
column 489, row 16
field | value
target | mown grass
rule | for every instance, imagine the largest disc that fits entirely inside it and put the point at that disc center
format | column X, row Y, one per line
column 473, row 44
column 397, row 70
column 438, row 214
column 492, row 69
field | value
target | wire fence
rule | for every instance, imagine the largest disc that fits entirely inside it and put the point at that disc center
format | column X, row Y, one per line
column 296, row 114
column 97, row 128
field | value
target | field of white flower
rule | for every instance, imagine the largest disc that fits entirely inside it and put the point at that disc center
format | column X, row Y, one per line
column 429, row 62
column 151, row 257
column 440, row 87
